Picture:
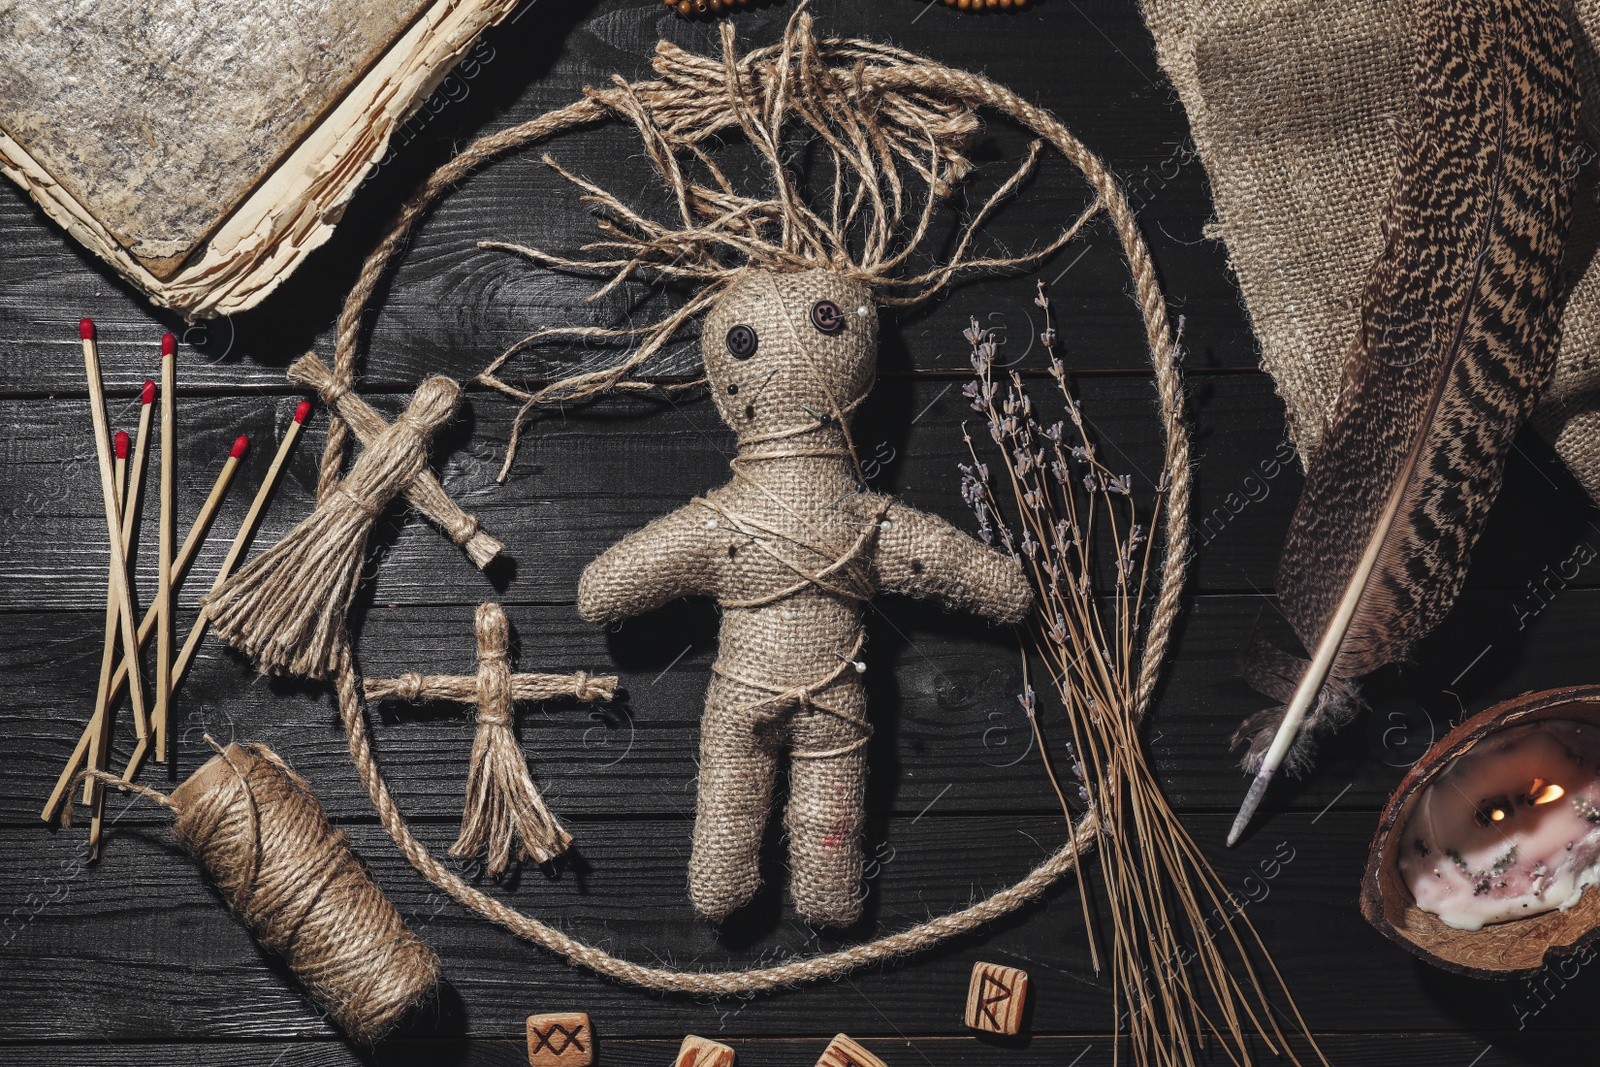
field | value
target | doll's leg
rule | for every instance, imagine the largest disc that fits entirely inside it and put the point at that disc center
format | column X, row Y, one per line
column 827, row 800
column 737, row 765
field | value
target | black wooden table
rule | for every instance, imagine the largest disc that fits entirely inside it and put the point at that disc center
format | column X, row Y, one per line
column 133, row 960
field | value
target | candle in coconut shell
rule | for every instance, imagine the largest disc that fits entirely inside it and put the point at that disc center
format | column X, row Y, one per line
column 1510, row 829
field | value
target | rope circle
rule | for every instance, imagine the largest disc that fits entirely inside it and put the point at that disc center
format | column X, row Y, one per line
column 921, row 77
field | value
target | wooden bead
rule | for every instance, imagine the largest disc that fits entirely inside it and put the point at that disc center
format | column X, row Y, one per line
column 843, row 1052
column 560, row 1040
column 996, row 997
column 698, row 1052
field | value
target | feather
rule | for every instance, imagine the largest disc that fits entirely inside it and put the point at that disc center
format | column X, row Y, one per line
column 1458, row 334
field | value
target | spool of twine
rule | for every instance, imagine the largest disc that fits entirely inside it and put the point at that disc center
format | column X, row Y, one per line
column 292, row 879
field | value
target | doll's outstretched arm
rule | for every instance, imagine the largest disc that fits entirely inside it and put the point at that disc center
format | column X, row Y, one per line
column 921, row 555
column 671, row 557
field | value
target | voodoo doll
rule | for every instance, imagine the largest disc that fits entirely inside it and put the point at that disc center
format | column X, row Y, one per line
column 792, row 551
column 786, row 286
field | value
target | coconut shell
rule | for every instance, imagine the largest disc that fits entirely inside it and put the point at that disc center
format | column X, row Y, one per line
column 1516, row 948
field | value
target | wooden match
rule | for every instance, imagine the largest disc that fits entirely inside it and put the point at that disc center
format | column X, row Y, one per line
column 169, row 375
column 92, row 792
column 186, row 554
column 119, row 471
column 119, row 558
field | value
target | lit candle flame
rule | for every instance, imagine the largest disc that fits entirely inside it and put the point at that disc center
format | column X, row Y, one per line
column 1545, row 794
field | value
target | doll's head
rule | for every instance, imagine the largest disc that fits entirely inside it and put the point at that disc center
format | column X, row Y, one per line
column 787, row 350
column 853, row 158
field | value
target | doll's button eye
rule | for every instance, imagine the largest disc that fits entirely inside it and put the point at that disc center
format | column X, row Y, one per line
column 826, row 316
column 741, row 342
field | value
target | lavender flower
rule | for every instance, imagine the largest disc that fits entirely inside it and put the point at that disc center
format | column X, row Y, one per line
column 973, row 391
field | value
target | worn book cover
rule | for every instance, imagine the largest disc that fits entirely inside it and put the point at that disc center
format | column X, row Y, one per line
column 204, row 149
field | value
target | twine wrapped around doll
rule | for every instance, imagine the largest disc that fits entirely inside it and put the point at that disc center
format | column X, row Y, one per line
column 254, row 826
column 502, row 800
column 287, row 609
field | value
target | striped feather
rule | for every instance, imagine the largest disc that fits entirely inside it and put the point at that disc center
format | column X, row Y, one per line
column 1459, row 326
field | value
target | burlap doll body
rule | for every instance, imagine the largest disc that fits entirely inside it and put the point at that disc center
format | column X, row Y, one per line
column 792, row 550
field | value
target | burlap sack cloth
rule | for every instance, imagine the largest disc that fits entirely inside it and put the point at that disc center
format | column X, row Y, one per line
column 1295, row 106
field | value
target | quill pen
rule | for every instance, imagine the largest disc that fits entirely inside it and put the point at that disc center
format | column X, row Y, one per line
column 1458, row 336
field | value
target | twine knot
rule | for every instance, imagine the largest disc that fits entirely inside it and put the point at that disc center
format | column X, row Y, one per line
column 409, row 686
column 369, row 506
column 461, row 528
column 333, row 390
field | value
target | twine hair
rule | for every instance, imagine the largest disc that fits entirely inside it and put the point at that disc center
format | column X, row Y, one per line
column 253, row 824
column 895, row 75
column 894, row 155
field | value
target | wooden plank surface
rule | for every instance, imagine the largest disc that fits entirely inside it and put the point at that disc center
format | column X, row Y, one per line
column 134, row 959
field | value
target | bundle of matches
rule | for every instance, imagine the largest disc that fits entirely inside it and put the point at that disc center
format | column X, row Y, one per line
column 93, row 747
column 1077, row 528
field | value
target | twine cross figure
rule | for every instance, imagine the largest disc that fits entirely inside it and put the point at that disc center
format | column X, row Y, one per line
column 501, row 796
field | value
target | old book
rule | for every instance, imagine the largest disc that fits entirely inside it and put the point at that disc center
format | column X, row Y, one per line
column 204, row 150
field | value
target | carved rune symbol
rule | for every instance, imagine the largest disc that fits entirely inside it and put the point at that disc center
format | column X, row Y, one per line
column 560, row 1040
column 996, row 997
column 548, row 1037
column 993, row 992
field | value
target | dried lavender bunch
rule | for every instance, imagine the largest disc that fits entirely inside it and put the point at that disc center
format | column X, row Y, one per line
column 1078, row 528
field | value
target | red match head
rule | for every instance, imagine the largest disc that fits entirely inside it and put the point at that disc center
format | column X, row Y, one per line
column 149, row 394
column 122, row 444
column 240, row 443
column 86, row 329
column 302, row 411
column 169, row 344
